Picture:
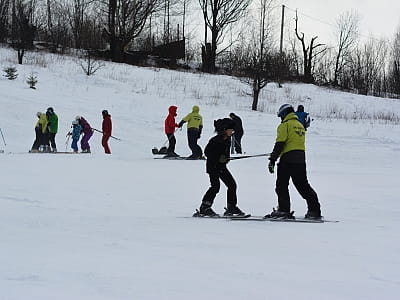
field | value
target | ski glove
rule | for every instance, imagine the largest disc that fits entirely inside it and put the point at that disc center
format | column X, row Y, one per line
column 271, row 166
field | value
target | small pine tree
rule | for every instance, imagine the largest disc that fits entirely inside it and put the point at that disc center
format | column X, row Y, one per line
column 11, row 73
column 32, row 80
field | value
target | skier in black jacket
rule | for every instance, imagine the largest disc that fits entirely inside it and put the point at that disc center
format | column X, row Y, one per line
column 217, row 152
column 238, row 134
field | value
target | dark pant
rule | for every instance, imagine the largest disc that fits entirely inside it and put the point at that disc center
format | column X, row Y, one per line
column 172, row 143
column 52, row 139
column 85, row 140
column 212, row 192
column 193, row 136
column 236, row 143
column 104, row 143
column 38, row 139
column 298, row 174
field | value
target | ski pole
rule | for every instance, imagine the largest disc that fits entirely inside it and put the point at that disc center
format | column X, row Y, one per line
column 66, row 143
column 103, row 132
column 249, row 156
column 4, row 141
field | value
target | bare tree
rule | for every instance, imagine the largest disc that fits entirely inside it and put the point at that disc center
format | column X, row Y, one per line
column 308, row 53
column 394, row 67
column 260, row 52
column 126, row 19
column 217, row 15
column 22, row 31
column 89, row 63
column 347, row 35
column 4, row 19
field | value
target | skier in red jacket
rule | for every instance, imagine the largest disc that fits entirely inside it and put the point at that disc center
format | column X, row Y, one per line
column 106, row 128
column 170, row 126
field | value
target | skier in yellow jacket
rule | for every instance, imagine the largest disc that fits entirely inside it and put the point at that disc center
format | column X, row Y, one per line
column 290, row 149
column 194, row 128
column 41, row 133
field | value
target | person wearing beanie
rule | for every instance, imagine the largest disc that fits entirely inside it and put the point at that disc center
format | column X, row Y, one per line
column 290, row 149
column 194, row 128
column 217, row 152
column 106, row 127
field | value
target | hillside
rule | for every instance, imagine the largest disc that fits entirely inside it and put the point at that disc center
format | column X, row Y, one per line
column 111, row 227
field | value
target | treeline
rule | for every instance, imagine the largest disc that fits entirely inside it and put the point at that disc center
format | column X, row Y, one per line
column 245, row 38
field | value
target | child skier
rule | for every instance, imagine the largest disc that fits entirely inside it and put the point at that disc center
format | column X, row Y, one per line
column 169, row 127
column 76, row 133
column 218, row 155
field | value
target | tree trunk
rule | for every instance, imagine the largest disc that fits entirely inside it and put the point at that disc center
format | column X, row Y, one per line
column 256, row 93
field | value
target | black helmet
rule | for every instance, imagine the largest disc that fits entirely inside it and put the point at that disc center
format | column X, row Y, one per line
column 104, row 112
column 223, row 124
column 284, row 110
column 50, row 110
column 300, row 108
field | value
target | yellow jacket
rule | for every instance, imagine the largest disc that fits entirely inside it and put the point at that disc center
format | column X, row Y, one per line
column 42, row 123
column 194, row 119
column 292, row 133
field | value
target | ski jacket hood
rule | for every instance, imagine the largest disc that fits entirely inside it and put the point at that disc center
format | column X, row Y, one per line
column 194, row 119
column 292, row 133
column 195, row 109
column 172, row 110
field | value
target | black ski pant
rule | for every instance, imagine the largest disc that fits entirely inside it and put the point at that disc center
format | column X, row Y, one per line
column 298, row 174
column 38, row 139
column 52, row 139
column 236, row 143
column 212, row 192
column 172, row 143
column 193, row 136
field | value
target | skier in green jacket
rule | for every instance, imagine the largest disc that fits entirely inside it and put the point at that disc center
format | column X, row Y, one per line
column 52, row 127
column 290, row 149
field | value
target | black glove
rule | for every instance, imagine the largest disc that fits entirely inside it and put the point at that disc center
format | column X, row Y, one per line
column 223, row 159
column 271, row 166
column 181, row 124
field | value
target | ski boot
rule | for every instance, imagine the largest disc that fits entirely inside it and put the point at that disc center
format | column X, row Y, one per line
column 277, row 214
column 205, row 211
column 313, row 215
column 233, row 212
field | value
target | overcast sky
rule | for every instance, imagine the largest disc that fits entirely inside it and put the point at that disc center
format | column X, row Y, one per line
column 379, row 18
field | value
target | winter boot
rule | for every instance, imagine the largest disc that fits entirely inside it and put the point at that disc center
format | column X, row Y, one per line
column 313, row 215
column 277, row 214
column 205, row 211
column 233, row 211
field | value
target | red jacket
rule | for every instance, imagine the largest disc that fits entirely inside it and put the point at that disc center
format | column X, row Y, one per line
column 107, row 125
column 170, row 123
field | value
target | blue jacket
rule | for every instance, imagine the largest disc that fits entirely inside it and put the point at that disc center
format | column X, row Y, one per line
column 76, row 132
column 304, row 118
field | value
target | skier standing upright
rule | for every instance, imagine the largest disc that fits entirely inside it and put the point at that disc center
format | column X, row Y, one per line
column 238, row 134
column 217, row 152
column 304, row 117
column 169, row 127
column 52, row 127
column 107, row 131
column 290, row 149
column 194, row 128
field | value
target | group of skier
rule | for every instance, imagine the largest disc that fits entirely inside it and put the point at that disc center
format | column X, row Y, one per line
column 194, row 129
column 47, row 126
column 45, row 132
column 289, row 148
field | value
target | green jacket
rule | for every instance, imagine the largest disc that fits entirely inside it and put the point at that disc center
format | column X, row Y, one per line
column 194, row 119
column 53, row 123
column 290, row 140
column 42, row 123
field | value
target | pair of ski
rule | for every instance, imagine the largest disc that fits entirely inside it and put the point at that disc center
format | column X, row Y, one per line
column 249, row 217
column 179, row 158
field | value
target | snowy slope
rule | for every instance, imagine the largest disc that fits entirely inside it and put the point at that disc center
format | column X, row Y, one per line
column 111, row 227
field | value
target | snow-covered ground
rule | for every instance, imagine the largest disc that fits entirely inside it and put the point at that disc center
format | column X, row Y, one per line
column 112, row 227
